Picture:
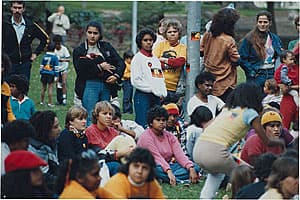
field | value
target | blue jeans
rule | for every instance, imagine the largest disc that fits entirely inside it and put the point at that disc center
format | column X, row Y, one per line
column 261, row 76
column 127, row 96
column 179, row 172
column 95, row 90
column 113, row 167
column 22, row 69
column 142, row 103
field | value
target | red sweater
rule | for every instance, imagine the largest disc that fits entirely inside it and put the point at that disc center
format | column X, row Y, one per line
column 100, row 138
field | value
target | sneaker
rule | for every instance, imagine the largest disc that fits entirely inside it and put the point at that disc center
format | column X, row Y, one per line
column 50, row 105
column 41, row 103
column 64, row 102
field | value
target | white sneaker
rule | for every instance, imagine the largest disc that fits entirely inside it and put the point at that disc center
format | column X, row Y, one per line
column 50, row 105
column 41, row 103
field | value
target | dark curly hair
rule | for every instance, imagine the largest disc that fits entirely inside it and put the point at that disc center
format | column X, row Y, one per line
column 156, row 111
column 16, row 130
column 204, row 76
column 20, row 81
column 141, row 35
column 143, row 156
column 224, row 21
column 43, row 121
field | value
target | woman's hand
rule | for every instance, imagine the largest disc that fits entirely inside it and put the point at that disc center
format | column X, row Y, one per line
column 107, row 67
column 111, row 79
column 193, row 175
column 171, row 177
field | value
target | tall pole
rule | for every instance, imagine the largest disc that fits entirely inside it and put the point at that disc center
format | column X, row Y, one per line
column 134, row 26
column 193, row 48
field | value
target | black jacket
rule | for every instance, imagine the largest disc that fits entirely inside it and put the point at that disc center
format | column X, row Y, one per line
column 22, row 53
column 87, row 69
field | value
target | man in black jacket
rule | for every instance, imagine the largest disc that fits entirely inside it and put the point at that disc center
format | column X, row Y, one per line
column 18, row 32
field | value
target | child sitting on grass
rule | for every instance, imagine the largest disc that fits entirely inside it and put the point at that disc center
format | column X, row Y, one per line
column 48, row 71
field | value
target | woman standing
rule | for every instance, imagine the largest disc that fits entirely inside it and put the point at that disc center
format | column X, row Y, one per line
column 259, row 50
column 146, row 76
column 98, row 67
column 220, row 52
column 172, row 56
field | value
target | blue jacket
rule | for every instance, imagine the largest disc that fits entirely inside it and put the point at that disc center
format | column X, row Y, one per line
column 49, row 64
column 249, row 60
column 23, row 110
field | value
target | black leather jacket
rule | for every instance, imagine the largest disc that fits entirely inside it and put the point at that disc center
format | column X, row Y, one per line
column 22, row 53
column 87, row 69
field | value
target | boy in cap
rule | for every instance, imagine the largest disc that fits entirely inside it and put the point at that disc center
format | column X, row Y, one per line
column 254, row 146
column 174, row 126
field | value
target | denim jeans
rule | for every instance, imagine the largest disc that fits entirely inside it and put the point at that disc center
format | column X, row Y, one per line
column 179, row 172
column 142, row 103
column 261, row 76
column 127, row 96
column 22, row 69
column 95, row 90
column 211, row 186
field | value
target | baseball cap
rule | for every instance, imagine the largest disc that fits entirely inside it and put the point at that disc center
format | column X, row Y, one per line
column 270, row 116
column 21, row 159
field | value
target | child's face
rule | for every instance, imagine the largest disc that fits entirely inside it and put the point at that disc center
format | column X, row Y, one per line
column 14, row 90
column 128, row 60
column 266, row 89
column 104, row 118
column 289, row 59
column 79, row 123
column 139, row 172
column 54, row 133
column 57, row 45
column 91, row 180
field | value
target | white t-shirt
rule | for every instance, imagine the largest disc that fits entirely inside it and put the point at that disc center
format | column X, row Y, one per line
column 214, row 104
column 62, row 53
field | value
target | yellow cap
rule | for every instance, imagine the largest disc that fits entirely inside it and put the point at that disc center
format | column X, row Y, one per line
column 270, row 116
